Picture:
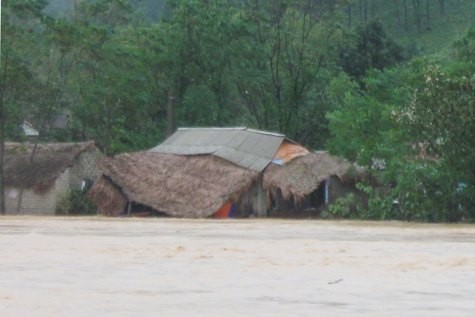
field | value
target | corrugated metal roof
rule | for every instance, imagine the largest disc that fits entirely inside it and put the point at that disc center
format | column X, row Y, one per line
column 252, row 149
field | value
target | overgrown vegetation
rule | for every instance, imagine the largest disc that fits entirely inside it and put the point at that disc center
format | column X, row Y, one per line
column 351, row 76
column 75, row 202
column 418, row 120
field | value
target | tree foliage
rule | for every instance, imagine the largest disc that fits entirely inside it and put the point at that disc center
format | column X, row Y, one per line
column 442, row 119
column 293, row 66
column 370, row 48
column 414, row 127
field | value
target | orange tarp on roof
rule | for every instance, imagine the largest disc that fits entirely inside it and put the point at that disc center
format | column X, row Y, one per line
column 288, row 151
column 224, row 211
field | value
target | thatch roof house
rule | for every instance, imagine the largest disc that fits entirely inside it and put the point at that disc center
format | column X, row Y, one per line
column 37, row 187
column 202, row 172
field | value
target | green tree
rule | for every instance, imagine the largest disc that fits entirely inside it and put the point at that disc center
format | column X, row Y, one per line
column 418, row 120
column 442, row 117
column 202, row 41
column 365, row 126
column 287, row 65
column 256, row 63
column 20, row 82
column 114, row 89
column 368, row 128
column 369, row 48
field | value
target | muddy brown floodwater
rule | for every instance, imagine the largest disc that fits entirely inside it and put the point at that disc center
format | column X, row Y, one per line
column 165, row 267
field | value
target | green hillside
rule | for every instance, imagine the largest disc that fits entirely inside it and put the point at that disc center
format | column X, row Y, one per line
column 422, row 26
column 426, row 29
column 152, row 10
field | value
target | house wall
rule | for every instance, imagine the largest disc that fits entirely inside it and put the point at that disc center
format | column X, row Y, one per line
column 84, row 168
column 338, row 189
column 253, row 202
column 45, row 203
column 280, row 208
column 37, row 204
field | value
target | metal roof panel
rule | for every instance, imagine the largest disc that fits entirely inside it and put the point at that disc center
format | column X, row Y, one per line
column 252, row 149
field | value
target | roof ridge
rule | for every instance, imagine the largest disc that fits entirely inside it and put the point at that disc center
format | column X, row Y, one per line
column 210, row 128
column 266, row 132
column 231, row 129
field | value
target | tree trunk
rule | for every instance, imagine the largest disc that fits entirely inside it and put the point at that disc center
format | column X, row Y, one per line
column 360, row 7
column 406, row 24
column 365, row 11
column 428, row 11
column 442, row 7
column 49, row 106
column 363, row 6
column 2, row 150
column 373, row 9
column 44, row 122
column 170, row 127
column 417, row 13
column 398, row 13
column 2, row 125
column 350, row 14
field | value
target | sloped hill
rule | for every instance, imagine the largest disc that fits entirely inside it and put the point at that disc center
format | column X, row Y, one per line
column 423, row 26
column 153, row 10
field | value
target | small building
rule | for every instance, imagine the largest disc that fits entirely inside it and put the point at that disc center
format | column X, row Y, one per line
column 37, row 187
column 222, row 172
column 29, row 130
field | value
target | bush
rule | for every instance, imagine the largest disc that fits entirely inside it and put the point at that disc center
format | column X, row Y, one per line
column 341, row 208
column 75, row 202
column 423, row 191
column 430, row 192
column 379, row 205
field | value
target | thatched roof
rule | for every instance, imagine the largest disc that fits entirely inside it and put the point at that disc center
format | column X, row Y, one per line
column 303, row 175
column 50, row 161
column 109, row 199
column 181, row 186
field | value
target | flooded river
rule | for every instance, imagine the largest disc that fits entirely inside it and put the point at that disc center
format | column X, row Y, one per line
column 164, row 267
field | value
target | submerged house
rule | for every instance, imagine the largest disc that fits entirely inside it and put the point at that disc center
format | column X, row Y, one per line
column 36, row 187
column 221, row 172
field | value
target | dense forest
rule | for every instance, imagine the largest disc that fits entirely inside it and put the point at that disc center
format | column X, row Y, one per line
column 386, row 84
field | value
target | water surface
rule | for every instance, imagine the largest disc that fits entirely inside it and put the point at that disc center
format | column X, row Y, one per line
column 96, row 266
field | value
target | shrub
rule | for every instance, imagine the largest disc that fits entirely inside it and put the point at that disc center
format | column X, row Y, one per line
column 75, row 202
